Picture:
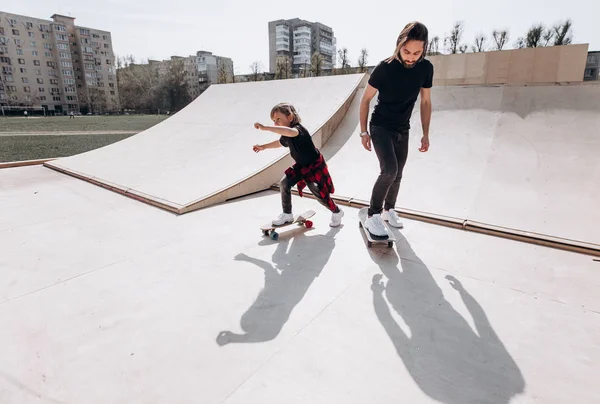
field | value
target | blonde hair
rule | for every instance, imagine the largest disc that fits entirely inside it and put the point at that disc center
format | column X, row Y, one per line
column 413, row 31
column 287, row 109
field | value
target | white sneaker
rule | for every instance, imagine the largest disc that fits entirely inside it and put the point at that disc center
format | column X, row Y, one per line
column 375, row 226
column 283, row 218
column 392, row 218
column 336, row 218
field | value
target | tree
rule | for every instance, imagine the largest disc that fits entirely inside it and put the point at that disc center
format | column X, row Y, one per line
column 452, row 41
column 563, row 33
column 316, row 64
column 256, row 68
column 500, row 39
column 138, row 84
column 480, row 43
column 434, row 46
column 222, row 76
column 283, row 68
column 343, row 57
column 535, row 37
column 175, row 88
column 363, row 60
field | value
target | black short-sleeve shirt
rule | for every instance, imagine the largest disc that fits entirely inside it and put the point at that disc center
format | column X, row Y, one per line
column 302, row 148
column 398, row 89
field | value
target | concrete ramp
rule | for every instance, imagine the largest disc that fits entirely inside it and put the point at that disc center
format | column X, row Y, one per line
column 203, row 154
column 524, row 160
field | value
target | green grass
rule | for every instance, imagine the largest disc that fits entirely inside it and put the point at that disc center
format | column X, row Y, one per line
column 80, row 123
column 18, row 148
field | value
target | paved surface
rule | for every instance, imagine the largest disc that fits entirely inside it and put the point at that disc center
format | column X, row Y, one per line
column 524, row 158
column 105, row 299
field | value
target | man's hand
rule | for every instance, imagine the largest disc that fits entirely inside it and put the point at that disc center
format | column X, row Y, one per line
column 366, row 142
column 258, row 148
column 424, row 144
column 259, row 126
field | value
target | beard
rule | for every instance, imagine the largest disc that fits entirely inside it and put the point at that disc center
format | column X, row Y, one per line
column 408, row 65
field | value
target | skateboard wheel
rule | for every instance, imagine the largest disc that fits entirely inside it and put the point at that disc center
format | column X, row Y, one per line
column 265, row 232
column 308, row 224
column 390, row 244
column 369, row 244
column 274, row 236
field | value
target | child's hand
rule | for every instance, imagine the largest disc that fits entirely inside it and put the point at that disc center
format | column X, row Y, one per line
column 257, row 148
column 259, row 126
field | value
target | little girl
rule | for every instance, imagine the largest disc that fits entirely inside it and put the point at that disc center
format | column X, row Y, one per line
column 310, row 168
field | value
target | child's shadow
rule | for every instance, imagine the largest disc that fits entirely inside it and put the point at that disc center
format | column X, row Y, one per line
column 447, row 359
column 287, row 280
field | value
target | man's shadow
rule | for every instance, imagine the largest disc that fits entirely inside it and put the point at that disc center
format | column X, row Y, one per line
column 447, row 359
column 287, row 279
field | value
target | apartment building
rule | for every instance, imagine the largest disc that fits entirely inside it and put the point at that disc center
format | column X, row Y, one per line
column 56, row 65
column 201, row 70
column 592, row 66
column 292, row 44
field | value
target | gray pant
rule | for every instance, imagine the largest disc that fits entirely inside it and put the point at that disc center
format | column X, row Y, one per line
column 391, row 148
column 285, row 187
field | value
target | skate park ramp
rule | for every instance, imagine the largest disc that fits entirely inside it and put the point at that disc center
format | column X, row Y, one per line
column 203, row 154
column 515, row 159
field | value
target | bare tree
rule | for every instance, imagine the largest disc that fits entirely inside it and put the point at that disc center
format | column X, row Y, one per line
column 222, row 75
column 283, row 69
column 563, row 33
column 500, row 39
column 256, row 68
column 343, row 58
column 363, row 60
column 316, row 64
column 434, row 46
column 535, row 37
column 452, row 41
column 480, row 43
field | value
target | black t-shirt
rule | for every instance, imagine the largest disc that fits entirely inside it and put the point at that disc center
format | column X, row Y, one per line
column 301, row 147
column 398, row 88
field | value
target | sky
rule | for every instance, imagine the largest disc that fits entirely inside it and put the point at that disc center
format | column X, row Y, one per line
column 158, row 29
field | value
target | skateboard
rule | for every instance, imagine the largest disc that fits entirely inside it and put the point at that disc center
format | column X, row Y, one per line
column 269, row 229
column 390, row 239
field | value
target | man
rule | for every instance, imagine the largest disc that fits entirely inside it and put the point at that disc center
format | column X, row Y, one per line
column 399, row 80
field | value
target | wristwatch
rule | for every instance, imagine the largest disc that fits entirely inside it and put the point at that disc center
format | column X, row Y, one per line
column 364, row 133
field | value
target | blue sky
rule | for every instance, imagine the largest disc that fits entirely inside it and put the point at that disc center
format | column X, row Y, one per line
column 238, row 29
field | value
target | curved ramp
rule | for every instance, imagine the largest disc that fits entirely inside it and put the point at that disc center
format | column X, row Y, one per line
column 515, row 159
column 203, row 154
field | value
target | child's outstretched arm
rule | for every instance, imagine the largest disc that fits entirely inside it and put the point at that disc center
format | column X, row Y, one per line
column 280, row 130
column 272, row 145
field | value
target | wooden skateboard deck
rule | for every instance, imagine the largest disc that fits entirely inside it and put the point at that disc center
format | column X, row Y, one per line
column 269, row 229
column 362, row 216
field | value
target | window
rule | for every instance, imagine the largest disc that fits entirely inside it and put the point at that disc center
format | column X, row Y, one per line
column 33, row 44
column 69, row 90
column 64, row 55
column 38, row 72
column 63, row 46
column 48, row 46
column 108, row 61
column 61, row 37
column 31, row 35
column 36, row 62
column 50, row 64
column 43, row 98
column 9, row 78
column 71, row 98
column 27, row 89
column 45, row 36
column 67, row 72
column 15, row 32
column 54, row 81
column 19, row 52
column 41, row 89
column 23, row 70
column 48, row 54
column 60, row 28
column 84, row 31
column 4, row 59
column 106, row 46
column 40, row 81
column 21, row 61
column 17, row 42
column 56, row 98
column 29, row 25
column 591, row 59
column 25, row 80
column 69, row 81
column 66, row 63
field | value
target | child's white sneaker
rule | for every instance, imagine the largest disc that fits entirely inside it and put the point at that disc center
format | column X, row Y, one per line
column 283, row 218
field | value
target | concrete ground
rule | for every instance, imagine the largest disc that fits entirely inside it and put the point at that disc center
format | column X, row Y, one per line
column 107, row 300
